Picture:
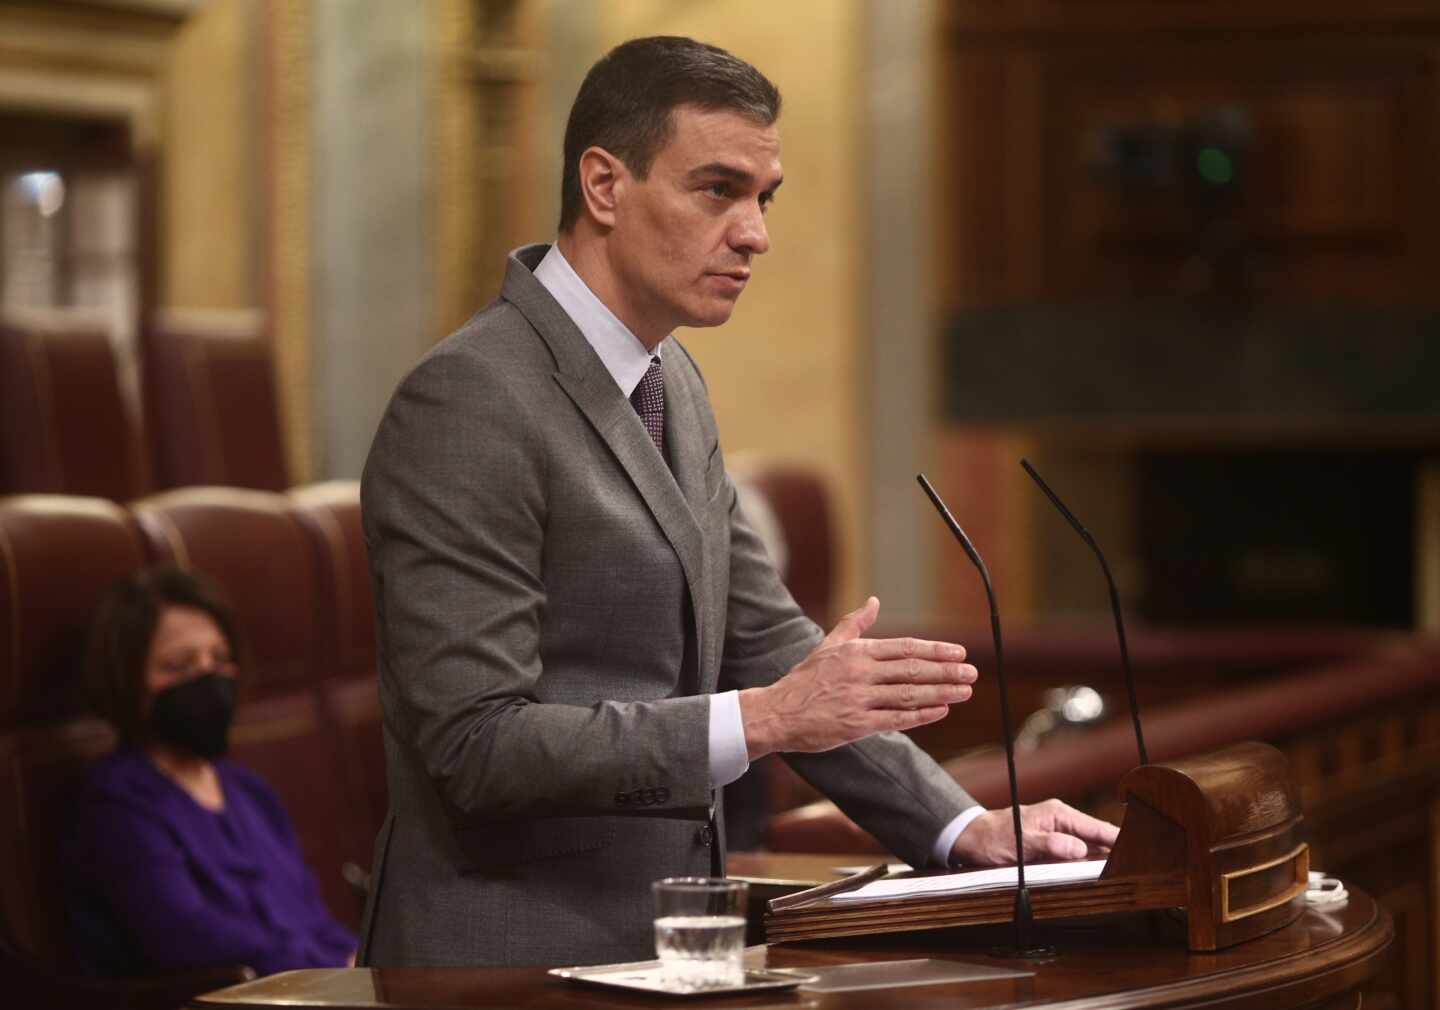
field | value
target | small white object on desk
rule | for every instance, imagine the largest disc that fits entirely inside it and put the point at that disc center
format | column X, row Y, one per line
column 1323, row 890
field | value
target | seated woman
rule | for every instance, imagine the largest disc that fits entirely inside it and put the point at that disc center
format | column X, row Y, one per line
column 176, row 858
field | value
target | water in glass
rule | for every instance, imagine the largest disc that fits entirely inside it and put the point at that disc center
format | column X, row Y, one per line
column 701, row 951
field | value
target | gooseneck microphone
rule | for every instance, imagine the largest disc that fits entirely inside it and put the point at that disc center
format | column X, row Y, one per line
column 1114, row 603
column 1024, row 916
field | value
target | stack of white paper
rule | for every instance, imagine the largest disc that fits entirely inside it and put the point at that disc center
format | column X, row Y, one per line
column 978, row 880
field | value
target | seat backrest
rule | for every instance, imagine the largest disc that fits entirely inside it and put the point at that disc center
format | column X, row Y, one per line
column 210, row 392
column 330, row 514
column 40, row 769
column 66, row 425
column 58, row 555
column 288, row 741
column 352, row 710
column 252, row 545
column 799, row 501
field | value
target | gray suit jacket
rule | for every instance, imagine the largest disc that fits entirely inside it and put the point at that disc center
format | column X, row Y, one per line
column 554, row 605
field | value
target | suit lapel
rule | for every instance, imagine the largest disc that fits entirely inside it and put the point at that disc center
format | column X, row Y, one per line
column 582, row 375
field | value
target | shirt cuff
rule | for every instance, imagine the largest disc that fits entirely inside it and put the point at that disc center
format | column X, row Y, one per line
column 940, row 854
column 729, row 757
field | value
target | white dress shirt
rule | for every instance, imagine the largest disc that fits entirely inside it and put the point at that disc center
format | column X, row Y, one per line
column 626, row 359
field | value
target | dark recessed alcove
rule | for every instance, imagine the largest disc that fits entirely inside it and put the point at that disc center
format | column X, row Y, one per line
column 1277, row 537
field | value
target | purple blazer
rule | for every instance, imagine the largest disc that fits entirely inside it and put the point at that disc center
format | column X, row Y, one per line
column 154, row 881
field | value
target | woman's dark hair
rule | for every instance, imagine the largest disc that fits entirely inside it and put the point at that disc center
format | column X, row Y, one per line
column 626, row 100
column 123, row 629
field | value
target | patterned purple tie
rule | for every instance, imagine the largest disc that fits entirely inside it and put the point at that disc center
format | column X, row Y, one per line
column 649, row 401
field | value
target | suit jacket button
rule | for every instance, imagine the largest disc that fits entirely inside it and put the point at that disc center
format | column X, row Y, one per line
column 705, row 835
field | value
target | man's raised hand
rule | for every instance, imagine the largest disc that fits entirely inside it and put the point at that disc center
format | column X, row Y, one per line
column 852, row 686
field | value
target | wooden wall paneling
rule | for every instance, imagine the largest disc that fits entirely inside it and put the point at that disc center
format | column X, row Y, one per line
column 1332, row 195
column 998, row 203
column 1339, row 201
column 1006, row 17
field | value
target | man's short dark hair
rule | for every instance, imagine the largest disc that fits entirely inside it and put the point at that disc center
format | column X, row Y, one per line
column 124, row 628
column 626, row 100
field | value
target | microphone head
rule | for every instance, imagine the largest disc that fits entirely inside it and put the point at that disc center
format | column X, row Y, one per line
column 955, row 527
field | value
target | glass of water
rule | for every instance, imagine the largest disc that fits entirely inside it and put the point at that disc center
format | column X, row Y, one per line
column 700, row 931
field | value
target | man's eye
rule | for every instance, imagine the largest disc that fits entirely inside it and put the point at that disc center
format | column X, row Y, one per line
column 720, row 189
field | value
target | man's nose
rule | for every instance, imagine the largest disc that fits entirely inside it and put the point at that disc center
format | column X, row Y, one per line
column 749, row 233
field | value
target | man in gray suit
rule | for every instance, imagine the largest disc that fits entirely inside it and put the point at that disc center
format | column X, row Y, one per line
column 581, row 639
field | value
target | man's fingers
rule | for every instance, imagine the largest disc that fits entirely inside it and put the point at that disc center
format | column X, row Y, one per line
column 908, row 697
column 1084, row 827
column 921, row 671
column 886, row 649
column 899, row 720
column 853, row 624
column 1054, row 845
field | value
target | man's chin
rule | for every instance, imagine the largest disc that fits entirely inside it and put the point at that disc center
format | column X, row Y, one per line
column 716, row 314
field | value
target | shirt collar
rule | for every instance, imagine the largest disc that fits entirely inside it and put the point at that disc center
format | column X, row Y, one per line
column 622, row 353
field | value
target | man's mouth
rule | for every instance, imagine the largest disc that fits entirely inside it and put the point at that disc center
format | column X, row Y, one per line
column 737, row 276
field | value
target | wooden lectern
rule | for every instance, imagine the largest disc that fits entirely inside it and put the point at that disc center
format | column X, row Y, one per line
column 1216, row 835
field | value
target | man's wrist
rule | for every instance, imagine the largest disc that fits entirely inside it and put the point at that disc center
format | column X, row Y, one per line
column 757, row 721
column 943, row 854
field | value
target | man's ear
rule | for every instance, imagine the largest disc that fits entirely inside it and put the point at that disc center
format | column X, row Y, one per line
column 602, row 181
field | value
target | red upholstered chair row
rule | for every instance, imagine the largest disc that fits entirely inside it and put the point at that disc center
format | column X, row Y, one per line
column 202, row 409
column 66, row 425
column 253, row 545
column 210, row 400
column 58, row 554
column 294, row 567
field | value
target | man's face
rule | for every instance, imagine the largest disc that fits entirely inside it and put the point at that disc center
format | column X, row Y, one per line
column 684, row 236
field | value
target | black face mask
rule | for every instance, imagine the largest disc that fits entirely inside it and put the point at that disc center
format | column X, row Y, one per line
column 195, row 714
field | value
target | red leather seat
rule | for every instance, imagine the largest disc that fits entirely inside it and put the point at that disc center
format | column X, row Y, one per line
column 330, row 513
column 800, row 504
column 289, row 742
column 58, row 555
column 210, row 391
column 254, row 547
column 66, row 426
column 39, row 770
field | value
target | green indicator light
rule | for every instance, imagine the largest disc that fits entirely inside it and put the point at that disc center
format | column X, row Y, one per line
column 1214, row 166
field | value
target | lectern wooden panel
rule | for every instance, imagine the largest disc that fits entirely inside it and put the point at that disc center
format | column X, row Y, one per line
column 1215, row 835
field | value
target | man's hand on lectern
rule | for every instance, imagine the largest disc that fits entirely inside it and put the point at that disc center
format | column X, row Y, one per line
column 1052, row 830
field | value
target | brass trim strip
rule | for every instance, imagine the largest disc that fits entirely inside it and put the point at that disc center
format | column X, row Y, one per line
column 1301, row 857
